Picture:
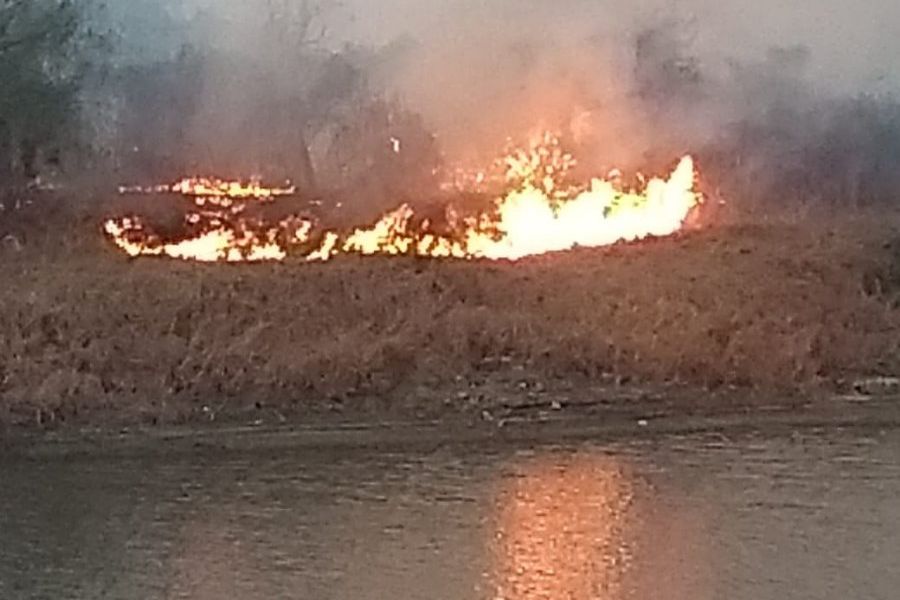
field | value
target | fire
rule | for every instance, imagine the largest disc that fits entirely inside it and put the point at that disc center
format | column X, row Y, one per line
column 541, row 213
column 217, row 232
column 212, row 187
column 222, row 244
column 207, row 188
column 531, row 223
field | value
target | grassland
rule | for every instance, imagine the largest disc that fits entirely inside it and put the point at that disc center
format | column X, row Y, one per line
column 87, row 336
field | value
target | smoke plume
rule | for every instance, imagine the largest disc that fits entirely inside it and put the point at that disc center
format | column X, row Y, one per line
column 778, row 101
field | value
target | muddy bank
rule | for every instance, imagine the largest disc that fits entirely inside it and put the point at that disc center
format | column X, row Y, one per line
column 90, row 337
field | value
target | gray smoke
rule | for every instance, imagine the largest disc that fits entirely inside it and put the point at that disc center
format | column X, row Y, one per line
column 788, row 99
column 783, row 102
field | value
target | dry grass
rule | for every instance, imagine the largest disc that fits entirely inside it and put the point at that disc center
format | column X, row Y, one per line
column 87, row 333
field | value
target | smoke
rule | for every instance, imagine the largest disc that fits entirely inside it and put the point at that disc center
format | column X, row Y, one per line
column 768, row 93
column 783, row 102
column 495, row 68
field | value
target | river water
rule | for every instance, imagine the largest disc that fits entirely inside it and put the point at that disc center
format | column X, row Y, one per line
column 812, row 513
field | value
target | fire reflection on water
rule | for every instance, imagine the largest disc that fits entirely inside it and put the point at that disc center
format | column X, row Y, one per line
column 580, row 524
column 561, row 530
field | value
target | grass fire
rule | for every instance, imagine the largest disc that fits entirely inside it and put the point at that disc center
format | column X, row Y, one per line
column 510, row 299
column 541, row 212
column 485, row 209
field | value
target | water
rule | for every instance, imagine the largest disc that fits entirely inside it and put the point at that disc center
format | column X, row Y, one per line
column 813, row 514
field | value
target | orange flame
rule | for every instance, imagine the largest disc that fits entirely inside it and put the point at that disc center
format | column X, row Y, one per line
column 541, row 214
column 213, row 187
column 222, row 244
column 222, row 193
column 217, row 233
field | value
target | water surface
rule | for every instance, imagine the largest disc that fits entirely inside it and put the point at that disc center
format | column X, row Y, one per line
column 814, row 514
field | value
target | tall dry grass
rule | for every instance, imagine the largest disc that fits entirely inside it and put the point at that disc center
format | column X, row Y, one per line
column 86, row 333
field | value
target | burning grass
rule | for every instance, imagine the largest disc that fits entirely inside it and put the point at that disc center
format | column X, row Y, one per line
column 540, row 210
column 88, row 334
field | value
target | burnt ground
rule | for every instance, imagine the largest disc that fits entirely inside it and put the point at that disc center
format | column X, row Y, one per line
column 728, row 317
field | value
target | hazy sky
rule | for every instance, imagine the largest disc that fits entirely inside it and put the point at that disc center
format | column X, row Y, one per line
column 854, row 42
column 482, row 71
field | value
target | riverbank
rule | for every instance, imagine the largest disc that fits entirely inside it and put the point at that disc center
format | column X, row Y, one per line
column 90, row 338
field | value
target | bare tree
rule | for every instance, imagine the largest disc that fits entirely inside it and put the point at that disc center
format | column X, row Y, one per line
column 43, row 53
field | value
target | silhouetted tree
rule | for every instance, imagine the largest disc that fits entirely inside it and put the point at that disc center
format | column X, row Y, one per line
column 43, row 57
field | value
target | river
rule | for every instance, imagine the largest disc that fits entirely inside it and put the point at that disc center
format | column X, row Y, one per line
column 807, row 513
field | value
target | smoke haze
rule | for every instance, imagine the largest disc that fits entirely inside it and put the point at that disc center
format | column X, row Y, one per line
column 853, row 42
column 493, row 68
column 795, row 96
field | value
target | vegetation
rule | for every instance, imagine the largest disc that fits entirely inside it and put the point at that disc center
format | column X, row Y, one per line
column 84, row 333
column 780, row 141
column 151, row 93
column 88, row 336
column 45, row 47
column 151, row 104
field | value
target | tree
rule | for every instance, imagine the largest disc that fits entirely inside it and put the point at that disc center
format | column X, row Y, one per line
column 42, row 45
column 262, row 104
column 665, row 70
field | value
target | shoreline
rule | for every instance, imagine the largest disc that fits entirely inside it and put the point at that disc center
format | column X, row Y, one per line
column 646, row 420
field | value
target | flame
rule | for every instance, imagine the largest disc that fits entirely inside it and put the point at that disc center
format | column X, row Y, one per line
column 542, row 212
column 530, row 222
column 213, row 187
column 217, row 233
column 222, row 244
column 230, row 189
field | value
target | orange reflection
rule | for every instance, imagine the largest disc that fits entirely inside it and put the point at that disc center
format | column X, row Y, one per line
column 210, row 562
column 561, row 530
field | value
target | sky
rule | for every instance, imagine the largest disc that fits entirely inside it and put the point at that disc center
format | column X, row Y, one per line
column 480, row 71
column 853, row 43
column 486, row 67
